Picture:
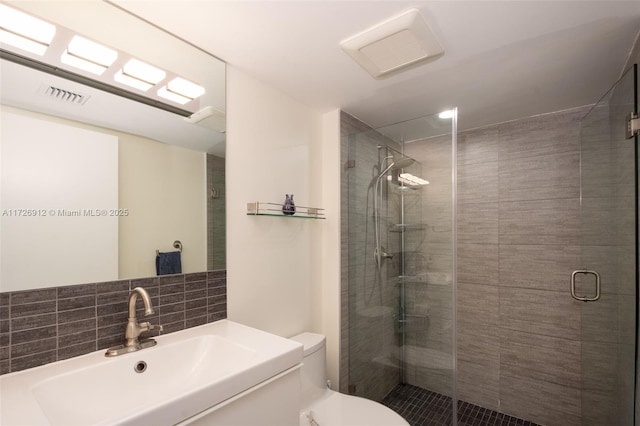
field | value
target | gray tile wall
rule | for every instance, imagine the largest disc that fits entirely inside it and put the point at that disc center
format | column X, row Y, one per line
column 216, row 214
column 637, row 404
column 518, row 330
column 46, row 325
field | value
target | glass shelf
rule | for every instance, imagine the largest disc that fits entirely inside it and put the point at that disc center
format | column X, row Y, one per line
column 275, row 210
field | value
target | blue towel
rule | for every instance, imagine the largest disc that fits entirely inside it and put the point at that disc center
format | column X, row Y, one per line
column 168, row 263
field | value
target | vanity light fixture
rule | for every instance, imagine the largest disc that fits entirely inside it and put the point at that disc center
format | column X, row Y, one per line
column 25, row 31
column 137, row 74
column 181, row 91
column 172, row 96
column 88, row 55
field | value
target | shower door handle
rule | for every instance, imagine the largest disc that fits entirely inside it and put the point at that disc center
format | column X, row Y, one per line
column 573, row 285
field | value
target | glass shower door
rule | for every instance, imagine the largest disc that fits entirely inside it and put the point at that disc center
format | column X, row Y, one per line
column 606, row 282
column 401, row 266
column 374, row 347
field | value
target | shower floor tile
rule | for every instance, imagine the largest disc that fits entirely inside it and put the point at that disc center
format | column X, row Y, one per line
column 421, row 407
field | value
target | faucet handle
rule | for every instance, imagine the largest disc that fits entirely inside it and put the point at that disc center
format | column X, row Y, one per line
column 147, row 326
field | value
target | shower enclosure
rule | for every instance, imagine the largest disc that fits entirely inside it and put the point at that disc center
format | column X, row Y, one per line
column 539, row 198
column 402, row 257
column 609, row 253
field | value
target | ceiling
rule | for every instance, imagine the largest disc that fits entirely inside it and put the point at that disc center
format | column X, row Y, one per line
column 503, row 60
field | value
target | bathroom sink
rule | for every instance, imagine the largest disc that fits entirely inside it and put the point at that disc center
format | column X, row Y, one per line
column 139, row 380
column 184, row 374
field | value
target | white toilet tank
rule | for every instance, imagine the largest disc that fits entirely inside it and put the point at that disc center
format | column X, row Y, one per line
column 314, row 379
column 322, row 406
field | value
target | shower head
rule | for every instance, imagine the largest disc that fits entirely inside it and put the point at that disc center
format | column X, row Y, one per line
column 402, row 163
column 397, row 164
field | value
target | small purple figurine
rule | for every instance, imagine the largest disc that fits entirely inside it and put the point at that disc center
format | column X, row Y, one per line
column 289, row 207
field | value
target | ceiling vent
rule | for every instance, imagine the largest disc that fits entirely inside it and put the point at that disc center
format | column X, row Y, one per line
column 64, row 95
column 396, row 44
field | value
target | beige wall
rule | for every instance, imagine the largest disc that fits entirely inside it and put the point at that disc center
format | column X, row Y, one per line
column 163, row 188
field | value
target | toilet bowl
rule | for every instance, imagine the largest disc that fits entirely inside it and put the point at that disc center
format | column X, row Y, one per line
column 320, row 406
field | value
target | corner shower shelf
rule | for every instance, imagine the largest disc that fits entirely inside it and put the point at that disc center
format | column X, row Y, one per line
column 419, row 279
column 403, row 188
column 410, row 322
column 434, row 278
column 400, row 227
column 275, row 209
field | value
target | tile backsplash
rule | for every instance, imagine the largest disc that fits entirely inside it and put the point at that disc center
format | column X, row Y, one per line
column 46, row 325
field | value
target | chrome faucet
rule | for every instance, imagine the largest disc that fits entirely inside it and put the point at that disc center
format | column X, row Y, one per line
column 134, row 329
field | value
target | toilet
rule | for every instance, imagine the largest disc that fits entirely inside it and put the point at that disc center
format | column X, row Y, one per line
column 321, row 406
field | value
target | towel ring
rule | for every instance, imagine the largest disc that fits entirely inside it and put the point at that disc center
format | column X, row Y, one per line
column 176, row 244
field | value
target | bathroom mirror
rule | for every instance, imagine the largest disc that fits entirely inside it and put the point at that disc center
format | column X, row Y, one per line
column 163, row 178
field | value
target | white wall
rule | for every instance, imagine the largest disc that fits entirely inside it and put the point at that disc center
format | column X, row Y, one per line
column 269, row 137
column 331, row 254
column 56, row 181
column 278, row 279
column 162, row 187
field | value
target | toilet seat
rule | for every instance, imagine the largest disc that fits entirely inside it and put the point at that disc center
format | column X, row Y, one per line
column 336, row 409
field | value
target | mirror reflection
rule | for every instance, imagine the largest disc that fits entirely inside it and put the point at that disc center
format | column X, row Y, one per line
column 92, row 191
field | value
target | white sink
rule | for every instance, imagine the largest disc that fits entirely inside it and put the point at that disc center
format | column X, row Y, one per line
column 184, row 374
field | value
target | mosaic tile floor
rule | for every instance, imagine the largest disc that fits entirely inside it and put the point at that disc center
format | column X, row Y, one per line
column 421, row 407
